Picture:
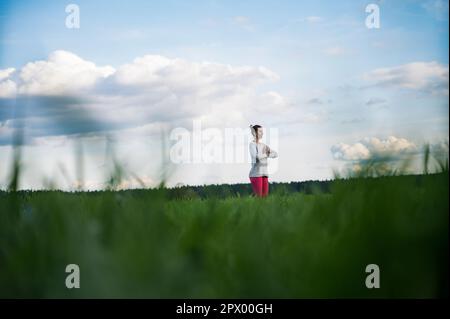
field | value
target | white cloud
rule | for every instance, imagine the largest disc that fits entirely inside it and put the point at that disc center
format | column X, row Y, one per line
column 391, row 144
column 63, row 73
column 72, row 95
column 179, row 89
column 6, row 73
column 7, row 89
column 355, row 151
column 271, row 100
column 159, row 70
column 431, row 77
column 372, row 146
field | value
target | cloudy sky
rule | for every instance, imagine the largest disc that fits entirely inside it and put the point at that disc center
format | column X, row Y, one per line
column 328, row 90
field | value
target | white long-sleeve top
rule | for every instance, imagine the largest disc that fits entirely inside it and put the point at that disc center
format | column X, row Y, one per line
column 259, row 159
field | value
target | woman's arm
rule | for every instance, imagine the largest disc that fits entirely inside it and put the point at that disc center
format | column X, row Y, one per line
column 256, row 156
column 271, row 153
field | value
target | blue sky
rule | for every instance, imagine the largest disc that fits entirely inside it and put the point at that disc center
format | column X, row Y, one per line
column 338, row 82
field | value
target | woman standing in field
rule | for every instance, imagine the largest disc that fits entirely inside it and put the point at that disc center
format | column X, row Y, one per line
column 259, row 153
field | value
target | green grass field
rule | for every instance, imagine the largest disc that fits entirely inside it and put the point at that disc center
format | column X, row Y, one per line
column 290, row 245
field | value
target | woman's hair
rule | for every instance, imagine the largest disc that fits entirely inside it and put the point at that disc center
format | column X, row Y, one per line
column 253, row 128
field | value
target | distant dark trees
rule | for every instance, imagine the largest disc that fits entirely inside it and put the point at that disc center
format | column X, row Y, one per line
column 239, row 190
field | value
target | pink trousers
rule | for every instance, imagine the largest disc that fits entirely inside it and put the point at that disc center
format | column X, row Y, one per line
column 260, row 185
